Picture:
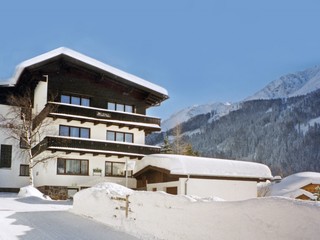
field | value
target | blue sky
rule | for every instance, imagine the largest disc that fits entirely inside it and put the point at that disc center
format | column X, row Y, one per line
column 201, row 51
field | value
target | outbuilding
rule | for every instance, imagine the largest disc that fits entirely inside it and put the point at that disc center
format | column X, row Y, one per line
column 203, row 177
column 302, row 185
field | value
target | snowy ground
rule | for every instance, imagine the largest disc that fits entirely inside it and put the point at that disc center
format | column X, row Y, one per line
column 35, row 218
column 154, row 215
column 157, row 215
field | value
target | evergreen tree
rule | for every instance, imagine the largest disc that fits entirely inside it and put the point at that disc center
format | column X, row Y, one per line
column 166, row 147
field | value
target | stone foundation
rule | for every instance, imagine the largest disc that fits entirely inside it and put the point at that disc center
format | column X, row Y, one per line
column 55, row 192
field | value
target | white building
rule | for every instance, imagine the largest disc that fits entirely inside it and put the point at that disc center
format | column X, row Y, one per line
column 204, row 177
column 97, row 117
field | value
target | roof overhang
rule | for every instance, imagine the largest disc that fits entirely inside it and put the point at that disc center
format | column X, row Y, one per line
column 85, row 61
column 199, row 176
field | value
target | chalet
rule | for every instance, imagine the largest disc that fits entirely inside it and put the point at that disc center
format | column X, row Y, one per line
column 98, row 122
column 303, row 186
column 204, row 177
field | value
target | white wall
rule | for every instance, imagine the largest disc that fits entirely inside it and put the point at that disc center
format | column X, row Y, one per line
column 9, row 177
column 163, row 186
column 230, row 190
column 98, row 132
column 46, row 174
column 40, row 97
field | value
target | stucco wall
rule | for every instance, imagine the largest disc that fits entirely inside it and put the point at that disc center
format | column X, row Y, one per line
column 40, row 97
column 230, row 190
column 46, row 174
column 98, row 132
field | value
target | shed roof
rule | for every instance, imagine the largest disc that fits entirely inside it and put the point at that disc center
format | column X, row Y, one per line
column 200, row 166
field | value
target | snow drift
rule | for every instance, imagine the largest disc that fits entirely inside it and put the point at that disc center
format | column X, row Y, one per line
column 30, row 191
column 157, row 215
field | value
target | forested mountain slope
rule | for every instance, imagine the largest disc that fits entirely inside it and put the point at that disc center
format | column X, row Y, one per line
column 282, row 133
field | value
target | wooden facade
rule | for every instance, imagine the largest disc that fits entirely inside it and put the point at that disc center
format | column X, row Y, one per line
column 153, row 174
column 311, row 187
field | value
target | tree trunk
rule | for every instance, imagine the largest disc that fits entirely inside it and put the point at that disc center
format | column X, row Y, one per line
column 31, row 175
column 30, row 168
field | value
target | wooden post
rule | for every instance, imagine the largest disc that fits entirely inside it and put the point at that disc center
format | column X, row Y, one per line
column 127, row 206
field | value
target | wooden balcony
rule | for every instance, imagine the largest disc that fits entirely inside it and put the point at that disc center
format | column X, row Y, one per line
column 105, row 114
column 84, row 146
column 98, row 115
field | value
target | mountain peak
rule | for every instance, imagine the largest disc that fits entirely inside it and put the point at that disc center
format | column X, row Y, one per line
column 291, row 85
column 184, row 115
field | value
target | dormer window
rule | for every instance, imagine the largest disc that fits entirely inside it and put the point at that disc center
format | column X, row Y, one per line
column 83, row 101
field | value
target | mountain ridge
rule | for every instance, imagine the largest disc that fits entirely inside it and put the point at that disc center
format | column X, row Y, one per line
column 283, row 133
column 289, row 85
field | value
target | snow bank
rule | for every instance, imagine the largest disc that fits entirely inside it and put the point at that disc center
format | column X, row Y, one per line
column 112, row 189
column 157, row 215
column 30, row 191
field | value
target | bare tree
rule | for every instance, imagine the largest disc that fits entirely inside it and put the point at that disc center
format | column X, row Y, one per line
column 26, row 128
column 179, row 146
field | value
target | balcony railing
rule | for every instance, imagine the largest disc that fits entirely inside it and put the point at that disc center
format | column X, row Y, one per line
column 98, row 115
column 104, row 114
column 95, row 147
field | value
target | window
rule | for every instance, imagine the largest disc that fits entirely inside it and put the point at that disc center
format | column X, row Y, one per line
column 111, row 106
column 115, row 169
column 84, row 132
column 128, row 108
column 24, row 170
column 128, row 137
column 6, row 156
column 111, row 136
column 72, row 167
column 119, row 136
column 120, row 107
column 75, row 101
column 74, row 131
column 65, row 99
column 23, row 142
column 83, row 101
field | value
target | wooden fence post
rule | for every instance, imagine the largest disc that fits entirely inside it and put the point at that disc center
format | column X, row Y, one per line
column 127, row 206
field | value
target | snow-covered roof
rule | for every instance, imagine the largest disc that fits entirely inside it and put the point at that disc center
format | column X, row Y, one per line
column 291, row 186
column 85, row 59
column 200, row 166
